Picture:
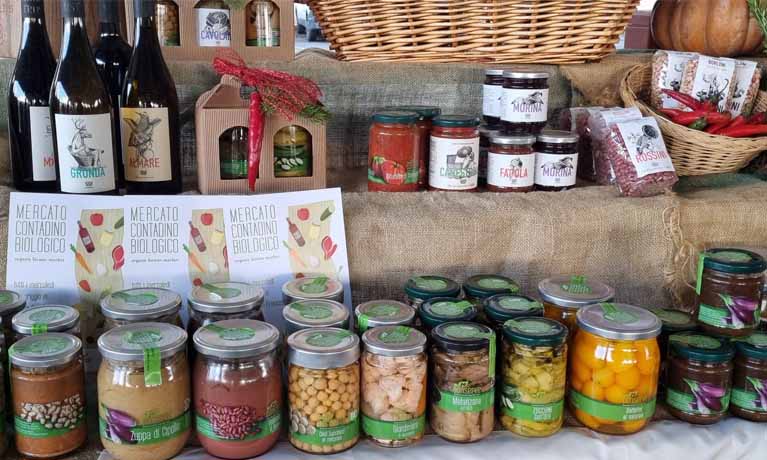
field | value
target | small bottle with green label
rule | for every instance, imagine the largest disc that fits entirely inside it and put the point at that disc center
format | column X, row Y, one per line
column 749, row 382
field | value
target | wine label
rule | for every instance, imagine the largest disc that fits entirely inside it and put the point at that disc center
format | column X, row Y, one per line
column 214, row 27
column 454, row 163
column 510, row 170
column 525, row 105
column 555, row 170
column 85, row 153
column 41, row 135
column 146, row 144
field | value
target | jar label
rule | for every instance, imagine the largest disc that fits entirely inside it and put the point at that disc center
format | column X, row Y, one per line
column 518, row 304
column 450, row 309
column 317, row 436
column 311, row 311
column 510, row 170
column 525, row 105
column 645, row 146
column 616, row 314
column 613, row 412
column 316, row 286
column 394, row 431
column 704, row 399
column 86, row 153
column 393, row 169
column 429, row 284
column 491, row 100
column 145, row 135
column 328, row 339
column 671, row 316
column 292, row 160
column 42, row 347
column 45, row 315
column 465, row 402
column 41, row 137
column 47, row 420
column 240, row 424
column 555, row 170
column 399, row 334
column 454, row 163
column 512, row 407
column 530, row 326
column 696, row 340
column 213, row 27
column 120, row 428
column 737, row 313
column 751, row 400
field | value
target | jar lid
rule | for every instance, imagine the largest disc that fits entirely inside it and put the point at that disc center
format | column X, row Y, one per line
column 535, row 332
column 525, row 74
column 140, row 304
column 430, row 286
column 323, row 348
column 574, row 291
column 753, row 346
column 378, row 313
column 394, row 341
column 494, row 72
column 396, row 116
column 551, row 136
column 45, row 350
column 456, row 121
column 310, row 288
column 11, row 302
column 226, row 297
column 424, row 111
column 503, row 139
column 619, row 321
column 129, row 342
column 459, row 336
column 45, row 318
column 445, row 309
column 733, row 260
column 236, row 338
column 503, row 307
column 489, row 131
column 701, row 347
column 483, row 286
column 674, row 320
column 316, row 313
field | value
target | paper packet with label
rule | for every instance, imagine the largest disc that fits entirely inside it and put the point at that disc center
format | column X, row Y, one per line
column 667, row 71
column 599, row 125
column 748, row 76
column 710, row 79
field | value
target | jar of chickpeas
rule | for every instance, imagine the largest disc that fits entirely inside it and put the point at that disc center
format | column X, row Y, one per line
column 563, row 296
column 323, row 390
column 614, row 366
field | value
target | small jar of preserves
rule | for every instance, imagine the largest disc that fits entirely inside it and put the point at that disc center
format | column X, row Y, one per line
column 749, row 380
column 485, row 133
column 394, row 161
column 556, row 161
column 307, row 314
column 379, row 313
column 563, row 296
column 525, row 101
column 454, row 153
column 423, row 125
column 48, row 392
column 46, row 318
column 479, row 287
column 699, row 382
column 462, row 381
column 492, row 95
column 168, row 23
column 511, row 164
column 440, row 310
column 394, row 385
column 292, row 152
column 614, row 366
column 214, row 302
column 141, row 305
column 730, row 285
column 10, row 304
column 533, row 376
column 502, row 307
column 313, row 288
column 324, row 390
column 674, row 321
column 419, row 289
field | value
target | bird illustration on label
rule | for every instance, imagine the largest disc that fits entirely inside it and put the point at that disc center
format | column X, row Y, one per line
column 142, row 132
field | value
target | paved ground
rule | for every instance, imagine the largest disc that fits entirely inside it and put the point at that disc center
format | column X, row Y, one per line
column 302, row 44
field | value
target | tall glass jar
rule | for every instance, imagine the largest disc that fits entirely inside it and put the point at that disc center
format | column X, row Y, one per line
column 556, row 161
column 293, row 152
column 307, row 314
column 419, row 289
column 423, row 125
column 214, row 302
column 313, row 288
column 46, row 318
column 262, row 24
column 525, row 101
column 563, row 296
column 141, row 305
column 168, row 23
column 480, row 287
column 394, row 152
column 144, row 391
column 214, row 23
column 237, row 381
column 394, row 385
column 614, row 366
column 440, row 310
column 324, row 390
column 511, row 164
column 454, row 153
column 233, row 153
column 378, row 313
column 48, row 392
column 749, row 382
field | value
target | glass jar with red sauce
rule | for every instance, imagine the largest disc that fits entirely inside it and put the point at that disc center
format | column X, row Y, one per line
column 556, row 161
column 511, row 164
column 393, row 164
column 525, row 101
column 454, row 153
column 426, row 115
column 492, row 93
column 749, row 381
column 485, row 133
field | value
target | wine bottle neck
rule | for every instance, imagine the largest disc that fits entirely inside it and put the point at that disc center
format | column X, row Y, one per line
column 109, row 29
column 75, row 36
column 146, row 32
column 33, row 9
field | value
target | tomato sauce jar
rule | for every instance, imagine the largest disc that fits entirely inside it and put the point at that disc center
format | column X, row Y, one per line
column 454, row 153
column 556, row 161
column 525, row 101
column 485, row 133
column 426, row 115
column 492, row 93
column 393, row 164
column 511, row 164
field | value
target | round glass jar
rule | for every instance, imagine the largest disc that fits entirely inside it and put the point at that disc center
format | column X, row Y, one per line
column 46, row 318
column 307, row 314
column 393, row 154
column 533, row 376
column 749, row 380
column 10, row 304
column 168, row 23
column 237, row 384
column 378, row 313
column 674, row 321
column 419, row 289
column 511, row 164
column 699, row 378
column 502, row 307
column 214, row 23
column 454, row 153
column 614, row 367
column 48, row 394
column 563, row 296
column 426, row 115
column 556, row 161
column 525, row 101
column 293, row 152
column 730, row 291
column 462, row 381
column 214, row 302
column 479, row 287
column 485, row 133
column 144, row 391
column 312, row 288
column 440, row 310
column 141, row 305
column 492, row 95
column 394, row 385
column 324, row 390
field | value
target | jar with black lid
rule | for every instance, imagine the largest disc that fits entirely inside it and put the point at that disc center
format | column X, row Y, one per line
column 442, row 310
column 477, row 288
column 749, row 381
column 504, row 307
column 556, row 161
column 511, row 164
column 492, row 93
column 419, row 289
column 673, row 322
column 525, row 101
column 485, row 134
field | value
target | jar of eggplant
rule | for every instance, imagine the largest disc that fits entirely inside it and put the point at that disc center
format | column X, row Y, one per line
column 214, row 302
column 563, row 296
column 141, row 305
column 749, row 381
column 479, row 287
column 419, row 289
column 674, row 321
column 46, row 318
column 378, row 313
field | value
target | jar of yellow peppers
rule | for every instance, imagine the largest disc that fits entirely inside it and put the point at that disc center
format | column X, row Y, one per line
column 563, row 296
column 614, row 365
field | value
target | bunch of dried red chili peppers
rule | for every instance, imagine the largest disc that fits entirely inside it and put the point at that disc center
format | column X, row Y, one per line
column 704, row 116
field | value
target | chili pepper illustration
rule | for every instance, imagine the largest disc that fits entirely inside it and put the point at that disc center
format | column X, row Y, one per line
column 294, row 255
column 85, row 285
column 81, row 259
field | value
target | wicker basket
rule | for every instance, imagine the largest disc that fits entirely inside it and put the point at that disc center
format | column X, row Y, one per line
column 694, row 153
column 502, row 31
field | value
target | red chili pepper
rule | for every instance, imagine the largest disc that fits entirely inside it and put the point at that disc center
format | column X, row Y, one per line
column 255, row 138
column 744, row 131
column 672, row 113
column 714, row 128
column 685, row 99
column 709, row 106
column 757, row 118
column 711, row 117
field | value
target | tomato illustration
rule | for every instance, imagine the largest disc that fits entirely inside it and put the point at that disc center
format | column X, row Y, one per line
column 97, row 219
column 393, row 172
column 197, row 282
column 303, row 214
column 206, row 218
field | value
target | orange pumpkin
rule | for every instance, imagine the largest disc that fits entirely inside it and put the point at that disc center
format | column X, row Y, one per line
column 712, row 27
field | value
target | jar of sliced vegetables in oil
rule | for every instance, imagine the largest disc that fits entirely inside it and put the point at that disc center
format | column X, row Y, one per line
column 563, row 296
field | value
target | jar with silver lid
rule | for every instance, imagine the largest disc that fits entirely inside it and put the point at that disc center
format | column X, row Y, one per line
column 141, row 305
column 556, row 161
column 305, row 314
column 317, row 288
column 563, row 296
column 213, row 302
column 46, row 318
column 525, row 101
column 377, row 313
column 324, row 390
column 394, row 369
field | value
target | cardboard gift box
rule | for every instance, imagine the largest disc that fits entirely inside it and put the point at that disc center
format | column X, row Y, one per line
column 223, row 108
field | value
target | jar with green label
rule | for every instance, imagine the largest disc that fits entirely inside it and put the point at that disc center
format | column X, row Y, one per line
column 479, row 287
column 534, row 373
column 324, row 390
column 749, row 381
column 674, row 321
column 503, row 307
column 46, row 318
column 729, row 288
column 214, row 302
column 462, row 381
column 377, row 313
column 563, row 296
column 313, row 288
column 441, row 310
column 306, row 314
column 614, row 367
column 419, row 289
column 48, row 394
column 144, row 391
column 292, row 152
column 141, row 305
column 394, row 372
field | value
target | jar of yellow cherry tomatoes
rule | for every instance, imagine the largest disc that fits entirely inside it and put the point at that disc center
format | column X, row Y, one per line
column 614, row 366
column 563, row 295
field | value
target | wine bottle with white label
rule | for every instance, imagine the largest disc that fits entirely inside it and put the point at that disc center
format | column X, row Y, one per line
column 149, row 114
column 81, row 111
column 29, row 117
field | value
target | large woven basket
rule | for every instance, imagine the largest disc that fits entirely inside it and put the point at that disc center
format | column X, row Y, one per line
column 503, row 31
column 694, row 153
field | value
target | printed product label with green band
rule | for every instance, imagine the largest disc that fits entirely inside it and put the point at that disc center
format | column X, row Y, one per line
column 36, row 421
column 721, row 317
column 613, row 412
column 747, row 400
column 257, row 430
column 330, row 436
column 689, row 404
column 116, row 431
column 533, row 412
column 35, row 429
column 394, row 431
column 577, row 285
column 450, row 309
column 465, row 402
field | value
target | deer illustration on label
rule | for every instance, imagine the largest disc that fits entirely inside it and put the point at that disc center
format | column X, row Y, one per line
column 85, row 156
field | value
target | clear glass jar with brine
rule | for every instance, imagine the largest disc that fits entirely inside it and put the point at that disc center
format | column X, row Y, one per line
column 262, row 24
column 419, row 289
column 307, row 314
column 212, row 302
column 378, row 313
column 46, row 318
column 563, row 296
column 141, row 305
column 313, row 288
